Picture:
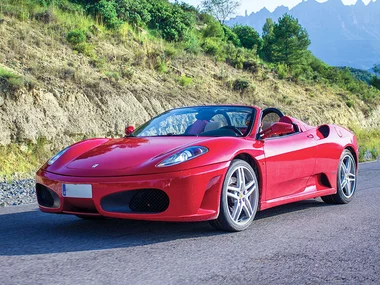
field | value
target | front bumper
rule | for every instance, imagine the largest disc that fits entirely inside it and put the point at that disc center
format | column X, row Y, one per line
column 194, row 194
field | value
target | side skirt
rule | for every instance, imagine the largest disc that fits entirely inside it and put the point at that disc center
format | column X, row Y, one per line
column 309, row 193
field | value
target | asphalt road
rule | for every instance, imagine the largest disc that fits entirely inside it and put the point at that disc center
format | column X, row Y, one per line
column 302, row 243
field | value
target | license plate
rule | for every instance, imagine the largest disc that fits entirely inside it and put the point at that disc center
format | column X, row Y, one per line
column 77, row 190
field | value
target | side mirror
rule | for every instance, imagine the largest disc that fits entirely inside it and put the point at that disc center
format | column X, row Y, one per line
column 129, row 130
column 278, row 128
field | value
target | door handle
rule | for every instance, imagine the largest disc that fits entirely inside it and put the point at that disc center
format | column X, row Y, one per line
column 310, row 136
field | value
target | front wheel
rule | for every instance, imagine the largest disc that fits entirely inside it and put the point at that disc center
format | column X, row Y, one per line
column 239, row 198
column 346, row 180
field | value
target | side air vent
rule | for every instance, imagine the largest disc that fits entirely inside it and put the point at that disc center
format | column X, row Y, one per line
column 324, row 130
column 324, row 181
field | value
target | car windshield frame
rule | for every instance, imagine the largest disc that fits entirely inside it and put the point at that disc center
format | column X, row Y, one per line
column 198, row 115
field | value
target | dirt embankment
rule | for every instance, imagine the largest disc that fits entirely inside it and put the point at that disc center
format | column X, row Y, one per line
column 70, row 97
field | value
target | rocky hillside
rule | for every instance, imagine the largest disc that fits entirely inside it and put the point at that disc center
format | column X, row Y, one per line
column 53, row 95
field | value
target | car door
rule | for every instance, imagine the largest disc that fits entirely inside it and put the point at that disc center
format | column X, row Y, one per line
column 290, row 161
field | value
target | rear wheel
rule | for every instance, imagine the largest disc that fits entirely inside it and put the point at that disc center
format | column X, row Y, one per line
column 346, row 180
column 239, row 198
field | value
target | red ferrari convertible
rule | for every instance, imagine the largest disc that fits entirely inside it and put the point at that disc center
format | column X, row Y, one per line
column 215, row 163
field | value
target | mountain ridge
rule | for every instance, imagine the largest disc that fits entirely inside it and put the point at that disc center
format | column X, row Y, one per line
column 341, row 35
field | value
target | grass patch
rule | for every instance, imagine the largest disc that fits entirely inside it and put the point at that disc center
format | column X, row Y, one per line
column 7, row 74
column 22, row 161
column 369, row 144
column 184, row 81
column 15, row 81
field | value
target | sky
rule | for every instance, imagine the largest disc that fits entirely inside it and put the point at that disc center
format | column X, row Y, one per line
column 256, row 5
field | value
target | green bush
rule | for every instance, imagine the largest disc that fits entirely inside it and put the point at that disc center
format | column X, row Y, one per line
column 137, row 13
column 192, row 45
column 213, row 29
column 98, row 62
column 75, row 37
column 282, row 71
column 170, row 51
column 240, row 85
column 184, row 80
column 374, row 153
column 127, row 72
column 113, row 76
column 350, row 103
column 211, row 47
column 172, row 22
column 86, row 49
column 249, row 38
column 251, row 65
column 231, row 37
column 161, row 66
column 375, row 82
column 107, row 10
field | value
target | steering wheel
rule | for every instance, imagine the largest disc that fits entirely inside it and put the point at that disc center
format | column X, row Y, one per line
column 232, row 128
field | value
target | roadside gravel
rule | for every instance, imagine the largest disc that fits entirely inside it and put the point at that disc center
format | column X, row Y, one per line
column 17, row 192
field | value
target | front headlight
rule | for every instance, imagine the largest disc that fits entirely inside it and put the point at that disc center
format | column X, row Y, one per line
column 55, row 157
column 183, row 155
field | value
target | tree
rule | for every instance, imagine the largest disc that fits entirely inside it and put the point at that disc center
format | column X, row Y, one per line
column 375, row 81
column 137, row 13
column 212, row 28
column 376, row 68
column 107, row 10
column 249, row 38
column 230, row 36
column 268, row 37
column 221, row 9
column 290, row 41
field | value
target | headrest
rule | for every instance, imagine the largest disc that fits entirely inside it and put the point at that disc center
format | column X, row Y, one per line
column 211, row 126
column 286, row 119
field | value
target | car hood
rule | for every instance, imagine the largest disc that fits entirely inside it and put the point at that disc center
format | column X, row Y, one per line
column 119, row 157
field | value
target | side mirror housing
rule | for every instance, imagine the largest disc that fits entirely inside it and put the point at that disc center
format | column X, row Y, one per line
column 277, row 128
column 129, row 130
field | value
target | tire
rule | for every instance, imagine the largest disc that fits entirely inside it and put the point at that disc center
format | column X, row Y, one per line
column 346, row 180
column 238, row 201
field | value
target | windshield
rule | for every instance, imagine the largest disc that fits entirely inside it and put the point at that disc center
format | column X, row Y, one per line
column 200, row 121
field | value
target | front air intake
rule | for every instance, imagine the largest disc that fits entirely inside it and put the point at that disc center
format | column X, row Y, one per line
column 47, row 197
column 136, row 201
column 149, row 201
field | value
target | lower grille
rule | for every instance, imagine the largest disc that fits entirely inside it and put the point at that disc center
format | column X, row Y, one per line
column 136, row 201
column 149, row 201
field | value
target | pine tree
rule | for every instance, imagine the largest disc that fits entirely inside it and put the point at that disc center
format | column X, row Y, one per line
column 290, row 41
column 268, row 37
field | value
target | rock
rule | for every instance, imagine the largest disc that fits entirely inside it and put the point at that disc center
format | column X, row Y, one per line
column 367, row 155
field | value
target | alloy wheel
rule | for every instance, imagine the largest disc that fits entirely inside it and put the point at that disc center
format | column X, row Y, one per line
column 241, row 186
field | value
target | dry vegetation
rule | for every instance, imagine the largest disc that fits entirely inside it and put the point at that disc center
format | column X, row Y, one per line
column 54, row 91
